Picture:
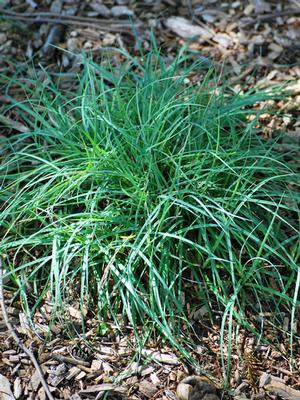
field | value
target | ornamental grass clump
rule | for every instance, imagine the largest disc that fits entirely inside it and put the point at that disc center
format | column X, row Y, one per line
column 144, row 193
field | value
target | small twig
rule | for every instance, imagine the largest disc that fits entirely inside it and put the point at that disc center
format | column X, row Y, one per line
column 50, row 14
column 19, row 341
column 191, row 9
column 55, row 18
column 269, row 17
column 54, row 35
column 243, row 75
column 42, row 20
column 70, row 360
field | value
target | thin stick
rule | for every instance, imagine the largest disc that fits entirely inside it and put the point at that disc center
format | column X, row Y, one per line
column 70, row 360
column 41, row 20
column 54, row 18
column 19, row 342
column 47, row 14
column 270, row 17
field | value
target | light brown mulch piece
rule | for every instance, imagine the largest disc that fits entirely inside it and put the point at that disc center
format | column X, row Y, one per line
column 196, row 388
column 185, row 29
column 18, row 341
column 274, row 385
column 105, row 387
column 13, row 124
column 5, row 391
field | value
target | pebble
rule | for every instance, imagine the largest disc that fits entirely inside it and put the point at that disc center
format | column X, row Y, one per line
column 72, row 45
column 121, row 11
column 3, row 38
column 101, row 9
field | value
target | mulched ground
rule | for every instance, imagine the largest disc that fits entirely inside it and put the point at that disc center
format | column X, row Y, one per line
column 257, row 41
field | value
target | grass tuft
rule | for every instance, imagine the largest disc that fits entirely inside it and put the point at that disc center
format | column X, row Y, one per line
column 145, row 197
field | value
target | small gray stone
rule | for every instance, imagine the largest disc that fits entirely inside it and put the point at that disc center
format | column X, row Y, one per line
column 3, row 38
column 56, row 6
column 121, row 11
column 101, row 9
column 122, row 2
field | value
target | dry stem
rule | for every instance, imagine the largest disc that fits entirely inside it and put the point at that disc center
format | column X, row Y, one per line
column 19, row 341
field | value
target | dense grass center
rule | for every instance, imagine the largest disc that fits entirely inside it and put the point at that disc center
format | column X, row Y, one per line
column 146, row 197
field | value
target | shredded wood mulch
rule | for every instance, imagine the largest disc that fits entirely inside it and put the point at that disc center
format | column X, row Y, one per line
column 90, row 366
column 257, row 41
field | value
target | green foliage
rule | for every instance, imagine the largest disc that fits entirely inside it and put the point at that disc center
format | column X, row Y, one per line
column 138, row 192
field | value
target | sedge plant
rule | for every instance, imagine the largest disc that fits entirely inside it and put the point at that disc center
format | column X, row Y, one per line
column 145, row 196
